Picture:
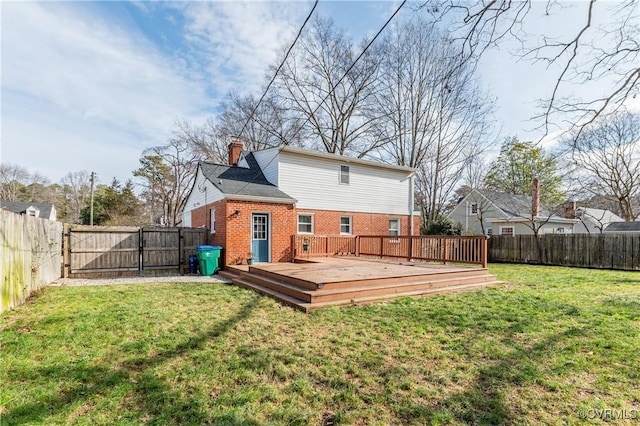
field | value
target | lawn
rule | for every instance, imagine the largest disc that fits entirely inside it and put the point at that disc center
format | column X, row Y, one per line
column 552, row 345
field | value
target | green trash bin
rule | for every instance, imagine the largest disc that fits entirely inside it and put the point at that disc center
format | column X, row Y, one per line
column 208, row 259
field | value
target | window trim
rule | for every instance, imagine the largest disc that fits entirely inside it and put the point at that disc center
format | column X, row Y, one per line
column 513, row 230
column 473, row 208
column 344, row 173
column 350, row 224
column 212, row 221
column 396, row 220
column 311, row 215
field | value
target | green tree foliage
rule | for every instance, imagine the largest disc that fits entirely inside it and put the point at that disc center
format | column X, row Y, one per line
column 114, row 205
column 518, row 164
column 442, row 226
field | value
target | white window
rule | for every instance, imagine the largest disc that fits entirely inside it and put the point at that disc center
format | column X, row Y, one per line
column 489, row 231
column 344, row 175
column 474, row 208
column 305, row 224
column 32, row 212
column 394, row 226
column 560, row 230
column 345, row 224
column 213, row 221
column 507, row 230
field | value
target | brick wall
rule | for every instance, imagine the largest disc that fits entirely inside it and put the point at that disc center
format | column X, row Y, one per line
column 328, row 222
column 233, row 231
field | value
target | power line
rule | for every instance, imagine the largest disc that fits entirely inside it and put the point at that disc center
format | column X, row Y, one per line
column 332, row 88
column 286, row 56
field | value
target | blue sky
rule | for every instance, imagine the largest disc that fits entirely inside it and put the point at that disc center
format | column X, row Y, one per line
column 90, row 85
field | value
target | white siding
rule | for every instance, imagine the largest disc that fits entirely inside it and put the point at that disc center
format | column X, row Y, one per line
column 203, row 193
column 522, row 228
column 186, row 219
column 269, row 164
column 470, row 221
column 315, row 183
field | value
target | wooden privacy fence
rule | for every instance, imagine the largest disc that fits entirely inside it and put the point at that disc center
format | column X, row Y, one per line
column 436, row 248
column 31, row 256
column 93, row 251
column 606, row 251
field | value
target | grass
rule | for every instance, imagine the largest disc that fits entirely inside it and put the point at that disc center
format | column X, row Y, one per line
column 553, row 345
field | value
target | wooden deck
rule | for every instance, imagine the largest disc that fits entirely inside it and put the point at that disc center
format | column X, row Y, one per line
column 315, row 283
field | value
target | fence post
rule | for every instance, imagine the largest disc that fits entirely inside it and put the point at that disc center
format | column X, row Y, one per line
column 410, row 254
column 357, row 247
column 381, row 242
column 66, row 248
column 293, row 248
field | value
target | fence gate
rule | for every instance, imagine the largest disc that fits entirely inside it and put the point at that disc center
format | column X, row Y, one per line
column 160, row 248
column 99, row 251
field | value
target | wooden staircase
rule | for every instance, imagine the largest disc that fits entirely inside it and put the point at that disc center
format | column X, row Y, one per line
column 308, row 291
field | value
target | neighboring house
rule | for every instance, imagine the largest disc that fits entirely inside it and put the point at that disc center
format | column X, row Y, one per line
column 623, row 227
column 42, row 210
column 593, row 221
column 498, row 213
column 254, row 205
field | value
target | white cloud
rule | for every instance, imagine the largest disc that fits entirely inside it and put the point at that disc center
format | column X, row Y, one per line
column 238, row 41
column 74, row 77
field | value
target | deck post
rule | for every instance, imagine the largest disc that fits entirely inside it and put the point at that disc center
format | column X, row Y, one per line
column 357, row 248
column 485, row 251
column 410, row 254
column 446, row 250
column 381, row 243
column 293, row 248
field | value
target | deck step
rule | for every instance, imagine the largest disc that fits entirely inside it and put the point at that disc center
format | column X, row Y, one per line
column 309, row 300
column 401, row 287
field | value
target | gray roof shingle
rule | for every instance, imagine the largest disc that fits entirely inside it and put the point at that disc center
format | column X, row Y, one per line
column 513, row 205
column 235, row 180
column 623, row 227
column 21, row 207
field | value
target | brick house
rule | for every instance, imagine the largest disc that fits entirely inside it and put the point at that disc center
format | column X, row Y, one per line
column 255, row 204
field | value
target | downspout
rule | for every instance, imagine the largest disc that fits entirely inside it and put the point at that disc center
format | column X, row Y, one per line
column 411, row 204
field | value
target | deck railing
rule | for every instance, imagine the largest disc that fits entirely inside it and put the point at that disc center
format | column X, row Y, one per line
column 435, row 248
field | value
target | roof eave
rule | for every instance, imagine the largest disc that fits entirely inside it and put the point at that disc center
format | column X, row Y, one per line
column 259, row 199
column 345, row 159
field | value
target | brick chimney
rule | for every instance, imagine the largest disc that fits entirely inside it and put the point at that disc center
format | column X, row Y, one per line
column 570, row 209
column 535, row 197
column 235, row 148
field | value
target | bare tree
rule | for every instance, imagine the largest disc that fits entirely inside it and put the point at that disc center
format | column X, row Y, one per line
column 312, row 86
column 12, row 178
column 429, row 110
column 597, row 50
column 259, row 126
column 76, row 187
column 609, row 152
column 167, row 175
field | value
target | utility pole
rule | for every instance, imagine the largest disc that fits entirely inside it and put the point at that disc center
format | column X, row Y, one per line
column 93, row 177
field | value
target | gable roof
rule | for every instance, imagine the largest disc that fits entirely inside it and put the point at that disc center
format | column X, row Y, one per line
column 242, row 182
column 599, row 215
column 512, row 205
column 21, row 207
column 623, row 227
